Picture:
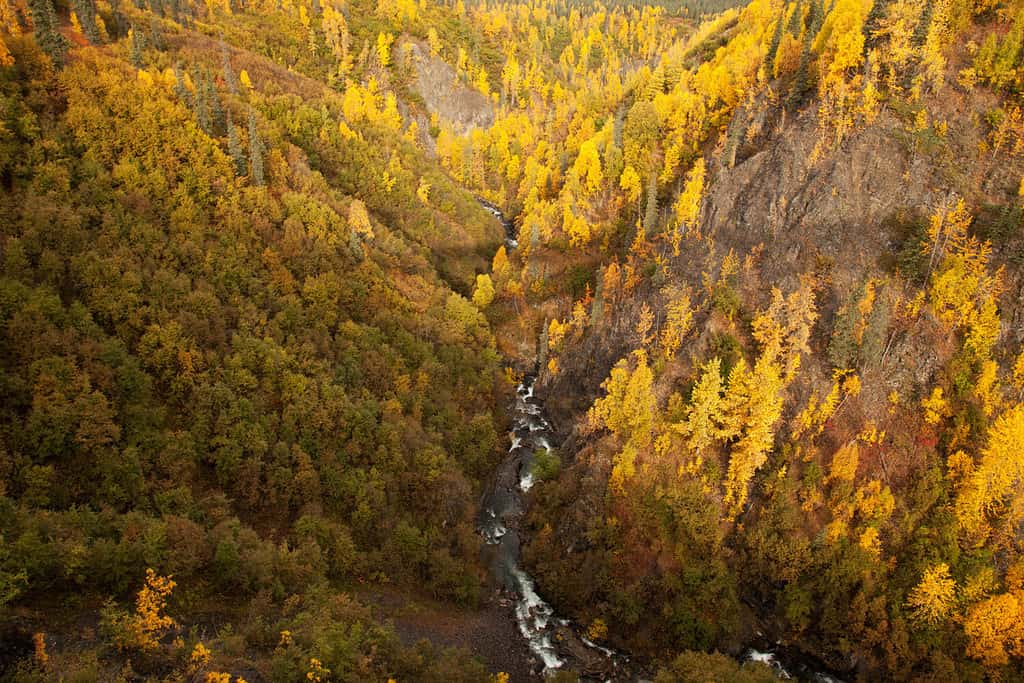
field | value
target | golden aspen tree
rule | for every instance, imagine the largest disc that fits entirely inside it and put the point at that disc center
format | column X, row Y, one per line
column 752, row 406
column 986, row 387
column 784, row 328
column 483, row 293
column 511, row 75
column 678, row 323
column 870, row 541
column 352, row 105
column 705, row 410
column 840, row 44
column 5, row 54
column 995, row 629
column 317, row 673
column 500, row 266
column 936, row 407
column 359, row 219
column 962, row 292
column 630, row 184
column 383, row 49
column 933, row 598
column 556, row 333
column 423, row 191
column 813, row 417
column 588, row 168
column 337, row 37
column 997, row 480
column 143, row 629
column 644, row 324
column 150, row 604
column 844, row 463
column 688, row 205
column 200, row 656
column 480, row 81
column 628, row 407
column 390, row 117
column 580, row 318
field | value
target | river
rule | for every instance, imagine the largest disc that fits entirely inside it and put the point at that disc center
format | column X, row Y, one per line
column 555, row 641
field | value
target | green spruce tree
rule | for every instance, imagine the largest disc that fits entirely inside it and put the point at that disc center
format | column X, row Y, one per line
column 235, row 149
column 180, row 90
column 201, row 105
column 136, row 44
column 255, row 151
column 156, row 35
column 651, row 213
column 773, row 47
column 44, row 23
column 85, row 10
column 229, row 73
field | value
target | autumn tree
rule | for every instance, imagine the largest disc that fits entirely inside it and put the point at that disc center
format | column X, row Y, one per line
column 962, row 291
column 751, row 406
column 483, row 293
column 143, row 628
column 995, row 486
column 995, row 629
column 588, row 168
column 678, row 323
column 359, row 219
column 500, row 267
column 688, row 205
column 628, row 407
column 934, row 596
column 704, row 414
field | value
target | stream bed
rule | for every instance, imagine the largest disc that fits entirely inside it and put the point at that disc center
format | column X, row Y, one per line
column 556, row 642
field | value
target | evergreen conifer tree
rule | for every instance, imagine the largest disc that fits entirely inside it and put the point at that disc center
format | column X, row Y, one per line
column 85, row 10
column 136, row 43
column 180, row 90
column 229, row 73
column 651, row 213
column 255, row 151
column 235, row 148
column 201, row 106
column 44, row 21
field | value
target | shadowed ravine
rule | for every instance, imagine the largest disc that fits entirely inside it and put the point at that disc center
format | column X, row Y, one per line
column 555, row 642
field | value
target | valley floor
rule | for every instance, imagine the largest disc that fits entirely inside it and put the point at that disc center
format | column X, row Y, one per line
column 489, row 633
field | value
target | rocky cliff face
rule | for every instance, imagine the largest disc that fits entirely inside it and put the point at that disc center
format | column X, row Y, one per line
column 804, row 211
column 444, row 94
column 848, row 215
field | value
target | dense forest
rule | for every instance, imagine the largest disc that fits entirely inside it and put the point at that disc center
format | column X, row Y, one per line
column 259, row 336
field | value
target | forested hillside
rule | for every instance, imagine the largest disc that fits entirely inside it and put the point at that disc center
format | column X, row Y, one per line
column 258, row 338
column 237, row 351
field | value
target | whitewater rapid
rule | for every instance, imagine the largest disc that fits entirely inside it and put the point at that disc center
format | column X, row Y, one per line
column 502, row 511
